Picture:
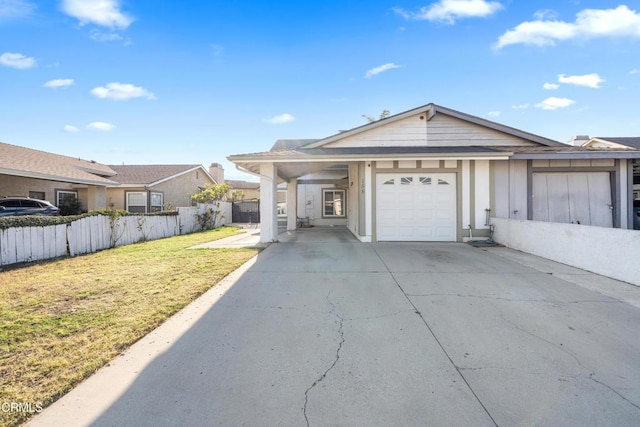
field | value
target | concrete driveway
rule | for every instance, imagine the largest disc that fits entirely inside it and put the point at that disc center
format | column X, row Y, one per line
column 324, row 330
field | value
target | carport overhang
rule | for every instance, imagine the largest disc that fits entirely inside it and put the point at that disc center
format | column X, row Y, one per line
column 276, row 167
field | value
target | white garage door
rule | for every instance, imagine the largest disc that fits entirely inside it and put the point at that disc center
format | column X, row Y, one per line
column 415, row 207
column 573, row 197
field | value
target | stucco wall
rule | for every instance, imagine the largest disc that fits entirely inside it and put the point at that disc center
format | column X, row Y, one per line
column 19, row 186
column 177, row 191
column 610, row 252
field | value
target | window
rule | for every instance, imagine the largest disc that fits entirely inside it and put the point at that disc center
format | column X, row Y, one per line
column 136, row 201
column 390, row 182
column 36, row 195
column 442, row 182
column 64, row 198
column 157, row 202
column 334, row 203
column 406, row 180
column 425, row 180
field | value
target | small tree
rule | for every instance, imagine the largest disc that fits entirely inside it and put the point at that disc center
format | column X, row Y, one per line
column 237, row 196
column 211, row 193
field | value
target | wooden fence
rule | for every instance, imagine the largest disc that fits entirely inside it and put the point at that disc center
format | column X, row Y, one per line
column 94, row 233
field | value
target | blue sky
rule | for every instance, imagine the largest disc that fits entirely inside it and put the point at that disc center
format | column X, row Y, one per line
column 153, row 82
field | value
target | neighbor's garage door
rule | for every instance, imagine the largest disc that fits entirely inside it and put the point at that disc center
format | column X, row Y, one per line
column 573, row 197
column 415, row 207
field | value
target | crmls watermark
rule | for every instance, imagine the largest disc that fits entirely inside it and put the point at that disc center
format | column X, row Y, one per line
column 27, row 407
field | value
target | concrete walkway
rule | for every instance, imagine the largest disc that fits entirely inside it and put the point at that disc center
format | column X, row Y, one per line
column 323, row 330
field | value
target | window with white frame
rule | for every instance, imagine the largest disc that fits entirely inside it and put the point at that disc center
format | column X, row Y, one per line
column 64, row 197
column 136, row 201
column 334, row 203
column 157, row 201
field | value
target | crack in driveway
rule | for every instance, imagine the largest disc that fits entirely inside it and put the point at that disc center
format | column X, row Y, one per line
column 513, row 299
column 448, row 356
column 335, row 361
column 574, row 357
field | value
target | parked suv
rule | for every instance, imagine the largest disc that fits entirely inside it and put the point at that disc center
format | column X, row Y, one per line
column 12, row 206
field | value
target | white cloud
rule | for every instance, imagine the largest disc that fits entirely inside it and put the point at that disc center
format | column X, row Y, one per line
column 589, row 80
column 589, row 23
column 494, row 113
column 17, row 60
column 520, row 107
column 102, row 126
column 105, row 13
column 281, row 119
column 70, row 129
column 105, row 37
column 545, row 14
column 58, row 83
column 15, row 8
column 121, row 92
column 554, row 103
column 448, row 11
column 550, row 86
column 634, row 71
column 381, row 69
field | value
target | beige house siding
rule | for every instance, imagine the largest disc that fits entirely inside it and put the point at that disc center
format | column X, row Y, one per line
column 177, row 191
column 90, row 197
column 440, row 131
column 249, row 193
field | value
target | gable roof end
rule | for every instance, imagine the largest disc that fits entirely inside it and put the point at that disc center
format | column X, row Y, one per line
column 430, row 110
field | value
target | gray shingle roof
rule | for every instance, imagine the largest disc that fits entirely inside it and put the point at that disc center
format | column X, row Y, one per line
column 148, row 174
column 22, row 161
column 290, row 144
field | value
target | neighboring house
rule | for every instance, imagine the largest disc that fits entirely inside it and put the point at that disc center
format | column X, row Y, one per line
column 152, row 188
column 53, row 177
column 436, row 174
column 250, row 189
column 620, row 142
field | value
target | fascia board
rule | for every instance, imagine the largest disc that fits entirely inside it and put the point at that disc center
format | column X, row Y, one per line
column 38, row 175
column 408, row 156
column 578, row 156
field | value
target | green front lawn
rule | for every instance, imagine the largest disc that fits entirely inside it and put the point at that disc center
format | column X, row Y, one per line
column 62, row 320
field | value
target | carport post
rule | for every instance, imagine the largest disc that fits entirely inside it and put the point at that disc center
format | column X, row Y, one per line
column 292, row 204
column 268, row 203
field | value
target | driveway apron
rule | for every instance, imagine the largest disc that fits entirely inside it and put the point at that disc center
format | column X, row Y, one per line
column 324, row 330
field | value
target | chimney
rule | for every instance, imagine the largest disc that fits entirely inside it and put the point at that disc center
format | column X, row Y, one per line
column 579, row 140
column 217, row 172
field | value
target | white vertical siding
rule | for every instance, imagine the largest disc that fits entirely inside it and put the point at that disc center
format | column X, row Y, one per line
column 501, row 189
column 482, row 193
column 518, row 201
column 466, row 194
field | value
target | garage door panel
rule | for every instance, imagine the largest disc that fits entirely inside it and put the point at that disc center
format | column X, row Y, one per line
column 416, row 207
column 583, row 197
